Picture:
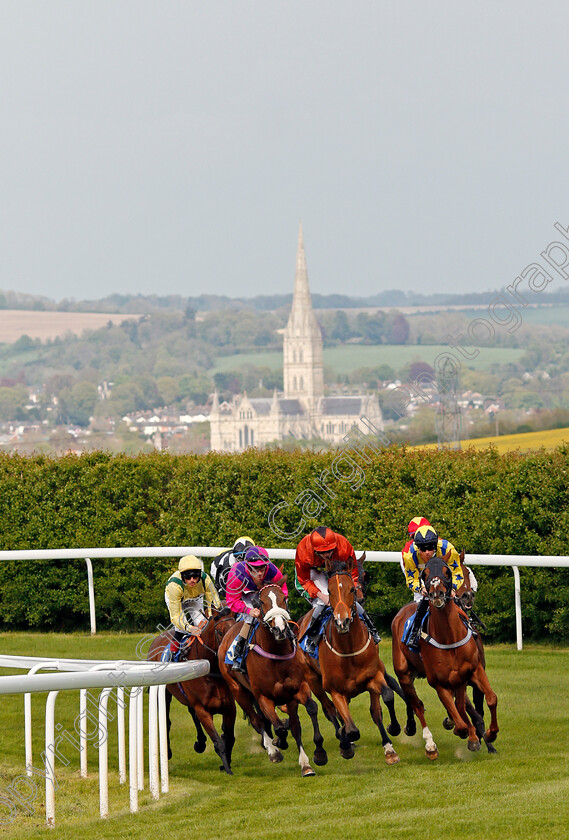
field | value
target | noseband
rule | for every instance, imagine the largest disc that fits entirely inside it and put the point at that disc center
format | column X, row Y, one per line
column 439, row 580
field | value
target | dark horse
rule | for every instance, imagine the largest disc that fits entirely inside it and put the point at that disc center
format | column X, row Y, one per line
column 205, row 696
column 276, row 676
column 448, row 656
column 349, row 663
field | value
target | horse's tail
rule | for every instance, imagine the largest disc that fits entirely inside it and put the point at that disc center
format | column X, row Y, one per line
column 394, row 685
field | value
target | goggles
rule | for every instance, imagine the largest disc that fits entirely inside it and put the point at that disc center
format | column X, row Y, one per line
column 432, row 546
column 191, row 573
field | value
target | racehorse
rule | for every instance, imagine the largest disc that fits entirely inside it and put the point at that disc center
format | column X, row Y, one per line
column 276, row 676
column 204, row 696
column 349, row 663
column 448, row 656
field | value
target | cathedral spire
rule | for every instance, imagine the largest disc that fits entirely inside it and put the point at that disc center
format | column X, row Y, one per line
column 303, row 369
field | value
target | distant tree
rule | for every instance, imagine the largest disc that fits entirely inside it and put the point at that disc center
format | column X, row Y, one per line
column 78, row 403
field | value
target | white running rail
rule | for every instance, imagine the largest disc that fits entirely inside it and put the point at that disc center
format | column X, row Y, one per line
column 512, row 560
column 107, row 675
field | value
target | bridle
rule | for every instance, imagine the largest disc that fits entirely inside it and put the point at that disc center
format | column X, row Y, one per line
column 443, row 585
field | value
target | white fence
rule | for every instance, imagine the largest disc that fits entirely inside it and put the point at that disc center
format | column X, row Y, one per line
column 514, row 561
column 110, row 676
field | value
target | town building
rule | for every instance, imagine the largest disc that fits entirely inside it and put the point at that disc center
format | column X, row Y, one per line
column 302, row 411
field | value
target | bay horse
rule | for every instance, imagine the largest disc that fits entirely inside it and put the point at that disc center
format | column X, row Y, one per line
column 349, row 663
column 205, row 696
column 276, row 676
column 465, row 596
column 449, row 658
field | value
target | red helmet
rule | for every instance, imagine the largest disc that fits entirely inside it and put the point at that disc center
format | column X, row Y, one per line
column 417, row 522
column 323, row 539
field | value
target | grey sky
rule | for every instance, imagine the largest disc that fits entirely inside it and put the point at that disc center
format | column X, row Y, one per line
column 173, row 147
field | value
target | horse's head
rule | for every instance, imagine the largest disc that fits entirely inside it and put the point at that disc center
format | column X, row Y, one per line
column 465, row 593
column 342, row 593
column 272, row 603
column 437, row 579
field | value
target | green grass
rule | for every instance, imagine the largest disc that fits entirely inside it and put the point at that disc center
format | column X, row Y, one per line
column 349, row 357
column 523, row 791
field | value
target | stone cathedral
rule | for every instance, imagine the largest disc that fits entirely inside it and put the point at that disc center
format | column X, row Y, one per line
column 302, row 411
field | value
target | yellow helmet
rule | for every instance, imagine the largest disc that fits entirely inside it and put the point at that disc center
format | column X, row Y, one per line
column 189, row 562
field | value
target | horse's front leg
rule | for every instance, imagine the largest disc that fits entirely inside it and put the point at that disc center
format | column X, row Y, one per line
column 296, row 730
column 206, row 720
column 349, row 729
column 416, row 705
column 267, row 707
column 462, row 725
column 375, row 690
column 480, row 679
column 320, row 754
column 200, row 743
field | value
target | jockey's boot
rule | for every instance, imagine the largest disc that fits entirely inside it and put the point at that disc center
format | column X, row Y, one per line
column 171, row 651
column 312, row 635
column 371, row 627
column 238, row 651
column 413, row 638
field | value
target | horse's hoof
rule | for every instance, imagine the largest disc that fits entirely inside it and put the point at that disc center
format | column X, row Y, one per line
column 490, row 737
column 280, row 742
column 432, row 755
column 473, row 745
column 276, row 757
column 394, row 730
column 307, row 771
column 491, row 748
column 320, row 757
column 354, row 736
column 447, row 723
column 199, row 746
column 347, row 752
column 392, row 758
column 225, row 770
column 410, row 730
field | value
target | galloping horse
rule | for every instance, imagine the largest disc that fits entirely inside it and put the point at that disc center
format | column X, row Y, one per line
column 448, row 656
column 276, row 676
column 349, row 663
column 204, row 696
column 465, row 595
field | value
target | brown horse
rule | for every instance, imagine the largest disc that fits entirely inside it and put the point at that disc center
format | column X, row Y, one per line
column 448, row 656
column 465, row 596
column 349, row 663
column 276, row 676
column 205, row 696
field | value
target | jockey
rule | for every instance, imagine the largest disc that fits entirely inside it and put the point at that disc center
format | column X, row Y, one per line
column 221, row 564
column 312, row 583
column 185, row 593
column 426, row 544
column 246, row 578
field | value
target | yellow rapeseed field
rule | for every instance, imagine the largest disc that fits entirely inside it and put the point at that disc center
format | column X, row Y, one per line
column 526, row 442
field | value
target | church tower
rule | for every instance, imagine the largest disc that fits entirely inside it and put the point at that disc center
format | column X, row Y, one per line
column 303, row 368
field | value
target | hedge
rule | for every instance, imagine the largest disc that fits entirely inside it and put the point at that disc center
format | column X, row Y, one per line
column 486, row 503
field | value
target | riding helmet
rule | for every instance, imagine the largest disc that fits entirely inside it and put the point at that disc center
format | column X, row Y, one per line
column 416, row 522
column 425, row 538
column 256, row 555
column 323, row 539
column 241, row 545
column 189, row 562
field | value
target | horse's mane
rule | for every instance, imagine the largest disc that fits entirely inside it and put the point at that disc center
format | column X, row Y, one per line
column 334, row 567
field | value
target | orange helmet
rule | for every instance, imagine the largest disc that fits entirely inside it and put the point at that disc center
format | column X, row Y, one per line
column 323, row 539
column 417, row 522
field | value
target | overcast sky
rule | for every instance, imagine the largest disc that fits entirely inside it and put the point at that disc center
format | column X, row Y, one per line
column 173, row 147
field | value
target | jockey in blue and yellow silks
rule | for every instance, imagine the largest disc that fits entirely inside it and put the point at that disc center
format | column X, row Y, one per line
column 426, row 544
